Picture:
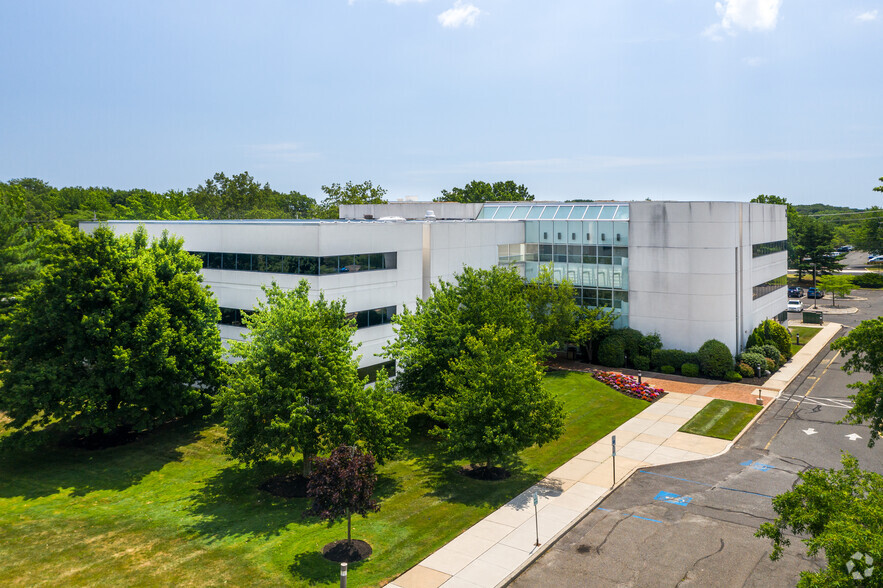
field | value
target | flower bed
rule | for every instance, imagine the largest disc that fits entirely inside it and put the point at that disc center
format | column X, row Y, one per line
column 629, row 385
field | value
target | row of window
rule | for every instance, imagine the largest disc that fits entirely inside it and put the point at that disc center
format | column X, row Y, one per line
column 600, row 276
column 363, row 318
column 769, row 286
column 297, row 264
column 759, row 249
column 549, row 211
column 588, row 254
column 372, row 370
column 577, row 232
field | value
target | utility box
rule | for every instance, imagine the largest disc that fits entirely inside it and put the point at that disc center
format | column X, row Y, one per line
column 813, row 317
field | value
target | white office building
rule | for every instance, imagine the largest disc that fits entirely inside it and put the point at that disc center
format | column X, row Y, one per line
column 691, row 271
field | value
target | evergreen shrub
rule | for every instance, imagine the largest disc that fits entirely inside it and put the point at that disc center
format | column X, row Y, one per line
column 715, row 359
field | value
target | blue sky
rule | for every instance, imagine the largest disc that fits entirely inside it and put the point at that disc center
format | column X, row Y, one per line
column 624, row 99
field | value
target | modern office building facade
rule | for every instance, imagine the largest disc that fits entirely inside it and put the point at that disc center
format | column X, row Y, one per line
column 690, row 271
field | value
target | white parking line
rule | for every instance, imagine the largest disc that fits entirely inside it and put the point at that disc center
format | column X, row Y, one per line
column 827, row 402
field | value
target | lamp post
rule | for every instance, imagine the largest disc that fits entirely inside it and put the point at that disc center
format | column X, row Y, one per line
column 815, row 291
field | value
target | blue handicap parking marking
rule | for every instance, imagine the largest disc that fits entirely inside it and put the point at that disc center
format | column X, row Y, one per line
column 673, row 498
column 761, row 467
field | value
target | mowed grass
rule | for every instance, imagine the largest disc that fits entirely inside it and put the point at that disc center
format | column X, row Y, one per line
column 722, row 419
column 806, row 333
column 172, row 509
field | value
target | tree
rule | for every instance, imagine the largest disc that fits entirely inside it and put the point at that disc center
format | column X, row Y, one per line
column 870, row 233
column 239, row 196
column 813, row 243
column 593, row 324
column 498, row 405
column 343, row 484
column 880, row 187
column 865, row 344
column 335, row 195
column 841, row 512
column 478, row 191
column 553, row 308
column 836, row 284
column 146, row 205
column 116, row 333
column 296, row 386
column 430, row 337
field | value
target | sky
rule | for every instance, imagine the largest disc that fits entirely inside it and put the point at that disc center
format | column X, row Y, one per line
column 622, row 100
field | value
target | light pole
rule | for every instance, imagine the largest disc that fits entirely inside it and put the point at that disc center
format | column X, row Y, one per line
column 815, row 291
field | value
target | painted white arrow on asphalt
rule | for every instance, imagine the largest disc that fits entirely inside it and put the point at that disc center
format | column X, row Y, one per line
column 853, row 436
column 810, row 431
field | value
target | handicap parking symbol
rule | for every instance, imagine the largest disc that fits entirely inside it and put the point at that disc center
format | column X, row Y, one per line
column 762, row 467
column 673, row 498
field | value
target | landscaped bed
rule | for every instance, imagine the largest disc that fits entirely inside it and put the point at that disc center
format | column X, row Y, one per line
column 722, row 419
column 172, row 509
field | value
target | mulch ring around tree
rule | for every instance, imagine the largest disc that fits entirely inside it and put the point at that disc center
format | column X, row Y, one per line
column 347, row 551
column 286, row 486
column 480, row 472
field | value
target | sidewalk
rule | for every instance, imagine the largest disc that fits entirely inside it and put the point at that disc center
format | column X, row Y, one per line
column 504, row 542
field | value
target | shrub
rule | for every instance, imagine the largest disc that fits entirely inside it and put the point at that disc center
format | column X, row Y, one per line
column 673, row 357
column 649, row 343
column 772, row 352
column 753, row 361
column 733, row 377
column 771, row 365
column 692, row 357
column 691, row 370
column 611, row 352
column 667, row 369
column 641, row 362
column 745, row 370
column 715, row 359
column 769, row 331
column 868, row 280
column 631, row 341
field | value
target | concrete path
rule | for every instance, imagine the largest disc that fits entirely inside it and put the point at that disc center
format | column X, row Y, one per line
column 504, row 542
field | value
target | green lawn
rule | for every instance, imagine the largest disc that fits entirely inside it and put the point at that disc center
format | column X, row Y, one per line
column 806, row 333
column 172, row 509
column 723, row 419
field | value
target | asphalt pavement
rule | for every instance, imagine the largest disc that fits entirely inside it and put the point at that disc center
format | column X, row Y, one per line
column 693, row 524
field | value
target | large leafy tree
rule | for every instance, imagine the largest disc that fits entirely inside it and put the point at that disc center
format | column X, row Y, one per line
column 335, row 195
column 296, row 387
column 863, row 347
column 497, row 405
column 841, row 514
column 479, row 191
column 434, row 334
column 116, row 333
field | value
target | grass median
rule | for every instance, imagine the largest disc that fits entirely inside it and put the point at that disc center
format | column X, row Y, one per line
column 171, row 508
column 722, row 419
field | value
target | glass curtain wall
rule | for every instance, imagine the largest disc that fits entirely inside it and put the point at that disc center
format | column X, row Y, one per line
column 587, row 244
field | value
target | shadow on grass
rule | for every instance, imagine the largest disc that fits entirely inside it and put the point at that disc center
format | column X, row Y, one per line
column 231, row 504
column 315, row 569
column 446, row 481
column 45, row 468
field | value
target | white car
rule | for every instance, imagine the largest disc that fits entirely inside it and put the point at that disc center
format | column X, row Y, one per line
column 875, row 259
column 795, row 305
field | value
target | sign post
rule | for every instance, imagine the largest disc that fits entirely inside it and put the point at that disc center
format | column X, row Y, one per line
column 613, row 438
column 536, row 515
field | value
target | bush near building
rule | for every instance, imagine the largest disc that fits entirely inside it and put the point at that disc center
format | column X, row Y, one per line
column 715, row 359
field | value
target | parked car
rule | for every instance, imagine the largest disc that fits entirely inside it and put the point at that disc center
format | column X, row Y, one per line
column 814, row 293
column 875, row 259
column 795, row 292
column 795, row 305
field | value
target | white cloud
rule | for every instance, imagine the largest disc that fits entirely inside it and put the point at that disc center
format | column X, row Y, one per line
column 461, row 14
column 867, row 16
column 399, row 2
column 749, row 15
column 753, row 61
